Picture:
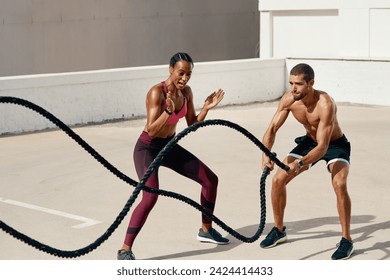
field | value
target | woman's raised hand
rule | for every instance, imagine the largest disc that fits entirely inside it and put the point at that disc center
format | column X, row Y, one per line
column 213, row 99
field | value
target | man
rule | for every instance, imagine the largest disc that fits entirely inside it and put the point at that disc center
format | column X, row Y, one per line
column 324, row 139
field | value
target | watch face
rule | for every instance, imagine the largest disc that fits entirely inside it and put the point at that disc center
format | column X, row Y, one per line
column 300, row 163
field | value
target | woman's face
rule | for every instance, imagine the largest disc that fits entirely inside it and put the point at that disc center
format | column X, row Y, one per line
column 180, row 73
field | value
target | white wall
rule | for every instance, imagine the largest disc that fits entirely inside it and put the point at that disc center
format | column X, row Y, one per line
column 355, row 81
column 325, row 28
column 96, row 96
column 347, row 42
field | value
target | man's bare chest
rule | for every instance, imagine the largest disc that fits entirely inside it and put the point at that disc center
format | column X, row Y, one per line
column 306, row 117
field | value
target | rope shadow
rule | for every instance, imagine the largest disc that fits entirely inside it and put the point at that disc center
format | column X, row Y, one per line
column 365, row 232
column 303, row 227
column 217, row 249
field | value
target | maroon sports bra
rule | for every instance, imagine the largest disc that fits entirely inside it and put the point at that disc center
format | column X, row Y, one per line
column 174, row 117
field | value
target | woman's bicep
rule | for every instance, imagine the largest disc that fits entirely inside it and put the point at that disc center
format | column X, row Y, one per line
column 153, row 107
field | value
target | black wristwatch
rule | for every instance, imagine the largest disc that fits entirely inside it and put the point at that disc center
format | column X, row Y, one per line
column 167, row 111
column 300, row 163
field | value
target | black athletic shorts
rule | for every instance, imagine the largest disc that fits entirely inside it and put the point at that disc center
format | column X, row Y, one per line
column 338, row 150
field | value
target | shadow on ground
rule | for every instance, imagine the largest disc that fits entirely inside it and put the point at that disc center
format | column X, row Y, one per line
column 306, row 228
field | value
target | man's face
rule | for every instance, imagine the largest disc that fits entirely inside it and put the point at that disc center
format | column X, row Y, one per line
column 299, row 87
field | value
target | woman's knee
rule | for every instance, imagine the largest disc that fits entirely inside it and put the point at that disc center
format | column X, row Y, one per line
column 212, row 181
column 207, row 178
column 213, row 178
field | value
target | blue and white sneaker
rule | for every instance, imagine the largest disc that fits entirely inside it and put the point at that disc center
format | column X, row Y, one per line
column 344, row 250
column 212, row 236
column 274, row 237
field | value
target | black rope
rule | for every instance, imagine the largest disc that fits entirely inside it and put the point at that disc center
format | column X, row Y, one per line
column 141, row 185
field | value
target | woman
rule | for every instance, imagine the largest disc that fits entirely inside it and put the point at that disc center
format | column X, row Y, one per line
column 166, row 103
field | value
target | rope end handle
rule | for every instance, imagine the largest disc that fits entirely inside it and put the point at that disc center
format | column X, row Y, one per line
column 266, row 170
column 273, row 158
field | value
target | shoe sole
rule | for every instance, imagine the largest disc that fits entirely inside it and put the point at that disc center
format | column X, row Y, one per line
column 281, row 240
column 207, row 240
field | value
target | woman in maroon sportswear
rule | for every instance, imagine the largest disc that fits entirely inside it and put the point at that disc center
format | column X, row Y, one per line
column 166, row 103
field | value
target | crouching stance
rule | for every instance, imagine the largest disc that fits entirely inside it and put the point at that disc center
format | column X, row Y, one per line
column 324, row 140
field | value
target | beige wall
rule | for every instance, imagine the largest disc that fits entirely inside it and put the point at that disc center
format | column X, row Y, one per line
column 50, row 36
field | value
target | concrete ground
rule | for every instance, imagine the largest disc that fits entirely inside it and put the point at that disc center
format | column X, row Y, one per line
column 54, row 192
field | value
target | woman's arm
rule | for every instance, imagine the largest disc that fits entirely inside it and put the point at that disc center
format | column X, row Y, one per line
column 211, row 101
column 156, row 118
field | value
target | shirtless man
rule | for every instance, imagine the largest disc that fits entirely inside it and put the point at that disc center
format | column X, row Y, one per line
column 324, row 139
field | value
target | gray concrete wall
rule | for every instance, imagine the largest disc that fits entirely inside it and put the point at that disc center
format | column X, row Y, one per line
column 51, row 36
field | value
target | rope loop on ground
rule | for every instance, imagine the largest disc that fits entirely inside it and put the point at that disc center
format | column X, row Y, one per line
column 141, row 185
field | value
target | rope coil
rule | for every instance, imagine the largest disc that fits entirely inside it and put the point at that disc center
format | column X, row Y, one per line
column 141, row 185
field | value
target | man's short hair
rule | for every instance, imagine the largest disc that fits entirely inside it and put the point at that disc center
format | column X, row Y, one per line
column 305, row 69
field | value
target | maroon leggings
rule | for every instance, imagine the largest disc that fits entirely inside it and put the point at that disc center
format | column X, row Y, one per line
column 179, row 160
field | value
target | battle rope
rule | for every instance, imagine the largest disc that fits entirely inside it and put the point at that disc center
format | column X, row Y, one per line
column 141, row 185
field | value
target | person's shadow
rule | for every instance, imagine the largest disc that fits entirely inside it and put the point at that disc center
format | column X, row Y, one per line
column 303, row 227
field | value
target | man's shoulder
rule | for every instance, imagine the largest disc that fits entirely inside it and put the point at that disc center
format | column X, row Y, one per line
column 286, row 99
column 323, row 94
column 324, row 97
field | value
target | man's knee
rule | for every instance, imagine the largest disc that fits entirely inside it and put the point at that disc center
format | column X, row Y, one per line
column 340, row 186
column 279, row 180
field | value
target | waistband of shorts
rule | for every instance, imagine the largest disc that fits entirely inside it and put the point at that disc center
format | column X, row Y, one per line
column 342, row 138
column 145, row 138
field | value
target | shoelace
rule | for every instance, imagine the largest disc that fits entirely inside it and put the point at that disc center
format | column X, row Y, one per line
column 273, row 233
column 213, row 232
